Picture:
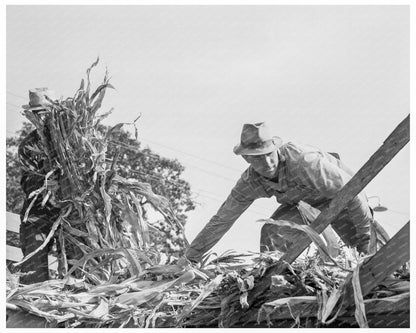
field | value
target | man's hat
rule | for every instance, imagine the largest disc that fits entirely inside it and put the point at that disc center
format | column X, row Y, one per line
column 37, row 99
column 256, row 140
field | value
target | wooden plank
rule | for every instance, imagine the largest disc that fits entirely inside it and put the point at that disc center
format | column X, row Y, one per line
column 391, row 146
column 12, row 222
column 390, row 257
column 13, row 253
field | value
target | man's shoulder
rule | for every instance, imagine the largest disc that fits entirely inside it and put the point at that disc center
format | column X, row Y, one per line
column 295, row 150
column 300, row 155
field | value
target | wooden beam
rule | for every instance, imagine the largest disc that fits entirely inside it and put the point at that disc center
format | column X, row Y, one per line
column 391, row 146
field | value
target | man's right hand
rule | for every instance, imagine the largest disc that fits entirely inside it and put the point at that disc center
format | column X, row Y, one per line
column 183, row 262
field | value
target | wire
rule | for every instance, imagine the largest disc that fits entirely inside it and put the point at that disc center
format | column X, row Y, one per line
column 13, row 94
column 131, row 147
column 189, row 154
column 174, row 149
column 162, row 145
column 11, row 104
column 134, row 148
column 208, row 195
column 214, row 196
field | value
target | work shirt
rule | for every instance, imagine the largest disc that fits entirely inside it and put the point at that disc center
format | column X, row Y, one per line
column 304, row 173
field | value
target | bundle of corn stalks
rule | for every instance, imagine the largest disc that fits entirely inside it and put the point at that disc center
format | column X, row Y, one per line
column 102, row 234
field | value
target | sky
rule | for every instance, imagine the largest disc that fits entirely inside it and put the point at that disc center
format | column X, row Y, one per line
column 335, row 77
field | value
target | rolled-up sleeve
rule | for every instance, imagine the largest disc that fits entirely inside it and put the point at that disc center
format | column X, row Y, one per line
column 241, row 197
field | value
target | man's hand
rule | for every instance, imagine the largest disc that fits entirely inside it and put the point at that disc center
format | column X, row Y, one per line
column 183, row 262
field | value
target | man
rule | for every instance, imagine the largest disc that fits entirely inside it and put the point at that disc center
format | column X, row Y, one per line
column 36, row 218
column 290, row 172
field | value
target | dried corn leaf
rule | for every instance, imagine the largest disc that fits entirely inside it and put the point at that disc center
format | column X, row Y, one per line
column 309, row 214
column 140, row 297
column 204, row 293
column 358, row 299
column 311, row 233
column 54, row 227
column 101, row 311
column 329, row 305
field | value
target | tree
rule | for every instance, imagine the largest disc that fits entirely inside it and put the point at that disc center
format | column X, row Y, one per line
column 131, row 161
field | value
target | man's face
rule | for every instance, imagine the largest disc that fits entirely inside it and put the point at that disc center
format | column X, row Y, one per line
column 265, row 165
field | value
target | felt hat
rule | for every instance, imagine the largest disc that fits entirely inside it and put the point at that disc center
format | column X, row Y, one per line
column 257, row 140
column 38, row 100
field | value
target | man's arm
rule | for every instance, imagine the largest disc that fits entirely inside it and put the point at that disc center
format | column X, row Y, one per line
column 240, row 198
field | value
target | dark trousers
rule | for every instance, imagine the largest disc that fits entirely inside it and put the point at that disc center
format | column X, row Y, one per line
column 352, row 230
column 32, row 235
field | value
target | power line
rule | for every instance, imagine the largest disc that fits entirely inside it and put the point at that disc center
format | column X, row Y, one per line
column 134, row 148
column 167, row 180
column 163, row 145
column 189, row 154
column 208, row 195
column 121, row 144
column 13, row 94
column 158, row 178
column 11, row 104
column 191, row 165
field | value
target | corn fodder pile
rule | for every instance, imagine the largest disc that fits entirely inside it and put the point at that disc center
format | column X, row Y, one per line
column 102, row 234
column 214, row 295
